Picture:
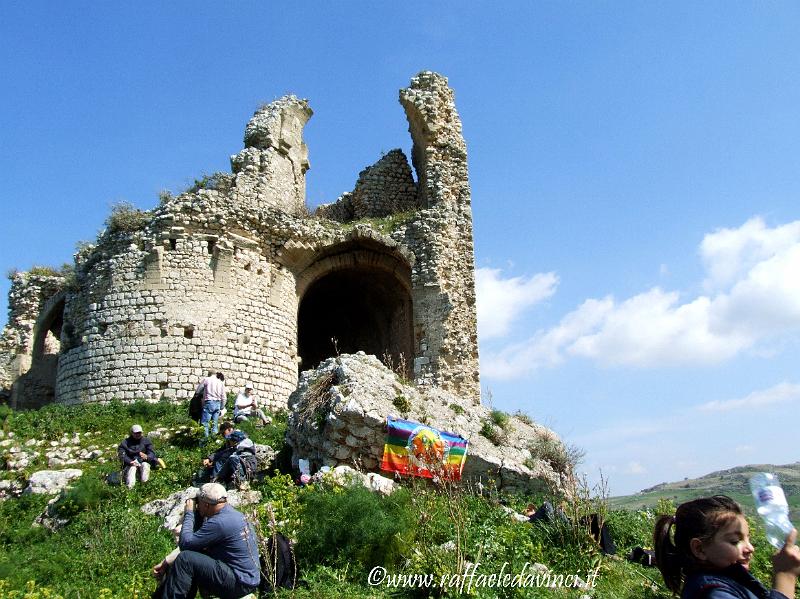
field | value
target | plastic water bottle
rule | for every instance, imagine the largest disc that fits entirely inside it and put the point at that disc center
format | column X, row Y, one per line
column 771, row 505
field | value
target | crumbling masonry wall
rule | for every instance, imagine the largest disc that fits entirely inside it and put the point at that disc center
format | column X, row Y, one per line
column 214, row 278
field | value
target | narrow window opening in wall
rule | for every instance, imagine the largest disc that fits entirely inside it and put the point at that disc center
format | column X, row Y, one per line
column 260, row 271
column 162, row 386
column 188, row 332
column 173, row 243
column 247, row 267
column 102, row 328
column 164, row 332
column 211, row 244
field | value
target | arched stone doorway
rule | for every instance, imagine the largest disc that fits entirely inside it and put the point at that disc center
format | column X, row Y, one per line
column 37, row 386
column 357, row 299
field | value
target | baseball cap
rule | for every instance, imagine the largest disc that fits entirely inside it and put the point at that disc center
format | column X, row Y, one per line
column 136, row 429
column 248, row 385
column 212, row 493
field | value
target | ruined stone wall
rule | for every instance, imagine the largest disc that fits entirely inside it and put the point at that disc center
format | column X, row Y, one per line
column 444, row 274
column 176, row 300
column 29, row 297
column 270, row 170
column 212, row 279
column 439, row 235
column 387, row 187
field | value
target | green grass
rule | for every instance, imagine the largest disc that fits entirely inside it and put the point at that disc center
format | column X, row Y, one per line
column 109, row 546
column 384, row 225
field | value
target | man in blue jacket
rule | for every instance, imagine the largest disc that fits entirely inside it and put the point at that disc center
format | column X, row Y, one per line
column 221, row 556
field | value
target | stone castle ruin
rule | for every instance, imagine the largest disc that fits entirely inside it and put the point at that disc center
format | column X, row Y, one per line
column 234, row 275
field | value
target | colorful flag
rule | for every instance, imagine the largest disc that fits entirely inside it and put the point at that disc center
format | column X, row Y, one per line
column 421, row 450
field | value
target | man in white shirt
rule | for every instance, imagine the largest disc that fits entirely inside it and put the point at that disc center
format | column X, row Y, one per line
column 247, row 406
column 213, row 400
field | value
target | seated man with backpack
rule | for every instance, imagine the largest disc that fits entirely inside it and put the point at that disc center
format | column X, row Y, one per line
column 234, row 463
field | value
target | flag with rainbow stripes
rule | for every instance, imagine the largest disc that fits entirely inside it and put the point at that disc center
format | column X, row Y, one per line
column 421, row 450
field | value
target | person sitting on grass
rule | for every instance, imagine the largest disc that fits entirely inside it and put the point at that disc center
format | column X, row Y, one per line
column 235, row 464
column 220, row 557
column 136, row 456
column 214, row 461
column 704, row 552
column 246, row 406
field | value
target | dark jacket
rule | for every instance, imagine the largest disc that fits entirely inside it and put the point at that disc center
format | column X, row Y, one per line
column 129, row 449
column 734, row 582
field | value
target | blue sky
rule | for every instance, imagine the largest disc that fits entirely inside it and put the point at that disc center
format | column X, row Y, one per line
column 634, row 168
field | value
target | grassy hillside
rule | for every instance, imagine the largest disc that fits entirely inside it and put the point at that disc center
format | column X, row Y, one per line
column 109, row 545
column 733, row 482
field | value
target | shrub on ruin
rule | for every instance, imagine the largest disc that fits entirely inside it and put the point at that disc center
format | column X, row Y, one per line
column 561, row 457
column 402, row 403
column 457, row 409
column 523, row 417
column 501, row 419
column 126, row 218
column 492, row 432
column 219, row 181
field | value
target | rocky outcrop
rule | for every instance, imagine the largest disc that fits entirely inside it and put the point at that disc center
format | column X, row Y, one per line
column 338, row 416
column 50, row 482
column 345, row 476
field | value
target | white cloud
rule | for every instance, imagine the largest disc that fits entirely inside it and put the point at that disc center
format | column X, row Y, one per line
column 754, row 272
column 500, row 301
column 635, row 468
column 729, row 253
column 781, row 393
column 544, row 349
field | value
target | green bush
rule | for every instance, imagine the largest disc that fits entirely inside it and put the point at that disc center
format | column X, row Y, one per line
column 457, row 409
column 491, row 432
column 501, row 419
column 85, row 494
column 126, row 218
column 354, row 526
column 402, row 403
column 561, row 457
column 523, row 417
column 219, row 181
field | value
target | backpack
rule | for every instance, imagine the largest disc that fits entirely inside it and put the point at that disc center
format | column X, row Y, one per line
column 196, row 405
column 278, row 565
column 645, row 557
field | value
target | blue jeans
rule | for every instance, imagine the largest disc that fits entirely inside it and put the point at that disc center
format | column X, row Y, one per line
column 210, row 410
column 192, row 570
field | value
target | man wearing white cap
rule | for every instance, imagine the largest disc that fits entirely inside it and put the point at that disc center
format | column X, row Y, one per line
column 136, row 455
column 220, row 557
column 246, row 406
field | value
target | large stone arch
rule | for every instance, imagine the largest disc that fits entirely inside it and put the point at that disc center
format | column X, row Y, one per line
column 360, row 295
column 37, row 386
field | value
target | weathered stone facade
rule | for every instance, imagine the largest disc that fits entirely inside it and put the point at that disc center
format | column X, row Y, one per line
column 338, row 417
column 234, row 275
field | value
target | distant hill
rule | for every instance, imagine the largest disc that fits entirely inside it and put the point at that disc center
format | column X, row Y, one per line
column 733, row 482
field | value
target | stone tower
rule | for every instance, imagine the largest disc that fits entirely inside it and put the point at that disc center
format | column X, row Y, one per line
column 233, row 275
